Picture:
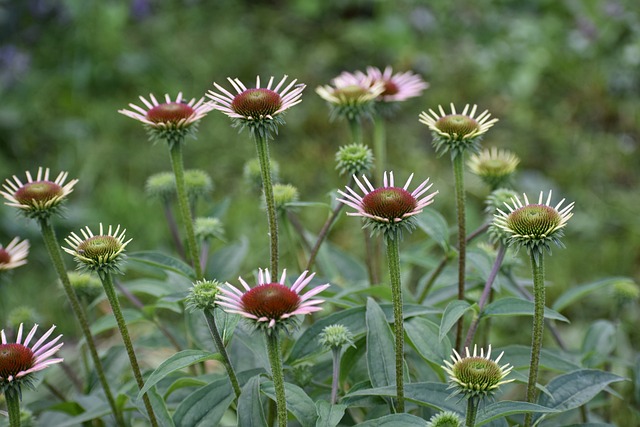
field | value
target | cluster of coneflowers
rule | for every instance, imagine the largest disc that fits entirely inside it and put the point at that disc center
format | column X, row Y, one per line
column 270, row 305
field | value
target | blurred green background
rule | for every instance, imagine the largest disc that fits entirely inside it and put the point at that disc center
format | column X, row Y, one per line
column 562, row 76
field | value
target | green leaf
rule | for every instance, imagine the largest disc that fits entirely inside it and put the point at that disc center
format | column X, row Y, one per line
column 206, row 406
column 576, row 388
column 91, row 414
column 599, row 343
column 433, row 223
column 578, row 292
column 182, row 383
column 424, row 336
column 329, row 415
column 511, row 306
column 298, row 403
column 505, row 408
column 454, row 311
column 160, row 409
column 352, row 318
column 176, row 362
column 520, row 357
column 395, row 420
column 162, row 261
column 380, row 347
column 225, row 263
column 108, row 321
column 250, row 412
column 431, row 394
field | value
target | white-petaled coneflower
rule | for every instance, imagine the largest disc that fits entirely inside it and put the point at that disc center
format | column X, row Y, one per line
column 102, row 253
column 14, row 254
column 495, row 167
column 38, row 198
column 457, row 132
column 271, row 305
column 260, row 109
column 170, row 120
column 534, row 226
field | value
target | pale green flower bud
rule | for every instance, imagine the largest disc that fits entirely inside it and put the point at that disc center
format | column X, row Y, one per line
column 336, row 336
column 202, row 295
column 354, row 159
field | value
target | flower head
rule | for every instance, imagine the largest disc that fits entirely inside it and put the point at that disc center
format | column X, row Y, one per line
column 351, row 95
column 625, row 290
column 198, row 183
column 271, row 305
column 476, row 375
column 399, row 86
column 261, row 108
column 445, row 419
column 101, row 253
column 202, row 295
column 252, row 173
column 456, row 132
column 161, row 185
column 494, row 202
column 336, row 336
column 85, row 285
column 354, row 159
column 495, row 167
column 39, row 198
column 534, row 226
column 18, row 361
column 207, row 228
column 283, row 196
column 169, row 120
column 14, row 254
column 387, row 208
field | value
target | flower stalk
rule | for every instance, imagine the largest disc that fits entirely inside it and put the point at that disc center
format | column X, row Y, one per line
column 393, row 256
column 215, row 333
column 537, row 269
column 472, row 411
column 273, row 349
column 458, row 173
column 13, row 408
column 262, row 148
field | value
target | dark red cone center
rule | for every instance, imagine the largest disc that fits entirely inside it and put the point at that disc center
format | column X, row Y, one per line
column 390, row 88
column 14, row 358
column 5, row 258
column 171, row 112
column 38, row 191
column 256, row 103
column 389, row 203
column 270, row 300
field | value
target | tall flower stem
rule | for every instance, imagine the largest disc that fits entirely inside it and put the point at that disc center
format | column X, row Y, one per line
column 177, row 164
column 458, row 174
column 393, row 255
column 262, row 147
column 211, row 322
column 13, row 407
column 355, row 127
column 472, row 410
column 110, row 291
column 537, row 268
column 380, row 144
column 485, row 294
column 273, row 348
column 336, row 375
column 53, row 248
column 173, row 229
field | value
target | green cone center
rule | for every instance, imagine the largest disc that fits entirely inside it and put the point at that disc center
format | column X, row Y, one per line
column 256, row 103
column 351, row 92
column 98, row 247
column 171, row 112
column 38, row 191
column 457, row 124
column 534, row 220
column 478, row 373
column 14, row 358
column 270, row 300
column 389, row 203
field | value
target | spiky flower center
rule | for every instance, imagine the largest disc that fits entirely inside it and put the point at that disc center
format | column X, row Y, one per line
column 270, row 300
column 457, row 124
column 99, row 247
column 534, row 220
column 14, row 358
column 390, row 88
column 351, row 92
column 389, row 203
column 256, row 103
column 5, row 257
column 478, row 373
column 38, row 191
column 171, row 112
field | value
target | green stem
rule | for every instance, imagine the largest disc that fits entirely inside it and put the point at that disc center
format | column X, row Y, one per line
column 177, row 164
column 262, row 147
column 13, row 407
column 393, row 255
column 213, row 328
column 472, row 410
column 55, row 254
column 537, row 267
column 336, row 375
column 356, row 130
column 110, row 291
column 379, row 144
column 458, row 173
column 273, row 348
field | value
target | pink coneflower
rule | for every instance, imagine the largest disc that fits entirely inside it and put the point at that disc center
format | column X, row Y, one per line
column 271, row 304
column 351, row 95
column 388, row 205
column 14, row 254
column 399, row 86
column 37, row 198
column 259, row 108
column 18, row 361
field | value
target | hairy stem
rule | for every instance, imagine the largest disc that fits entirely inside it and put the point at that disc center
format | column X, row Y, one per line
column 217, row 339
column 173, row 228
column 472, row 410
column 336, row 375
column 379, row 144
column 458, row 173
column 537, row 268
column 273, row 348
column 356, row 130
column 393, row 255
column 262, row 147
